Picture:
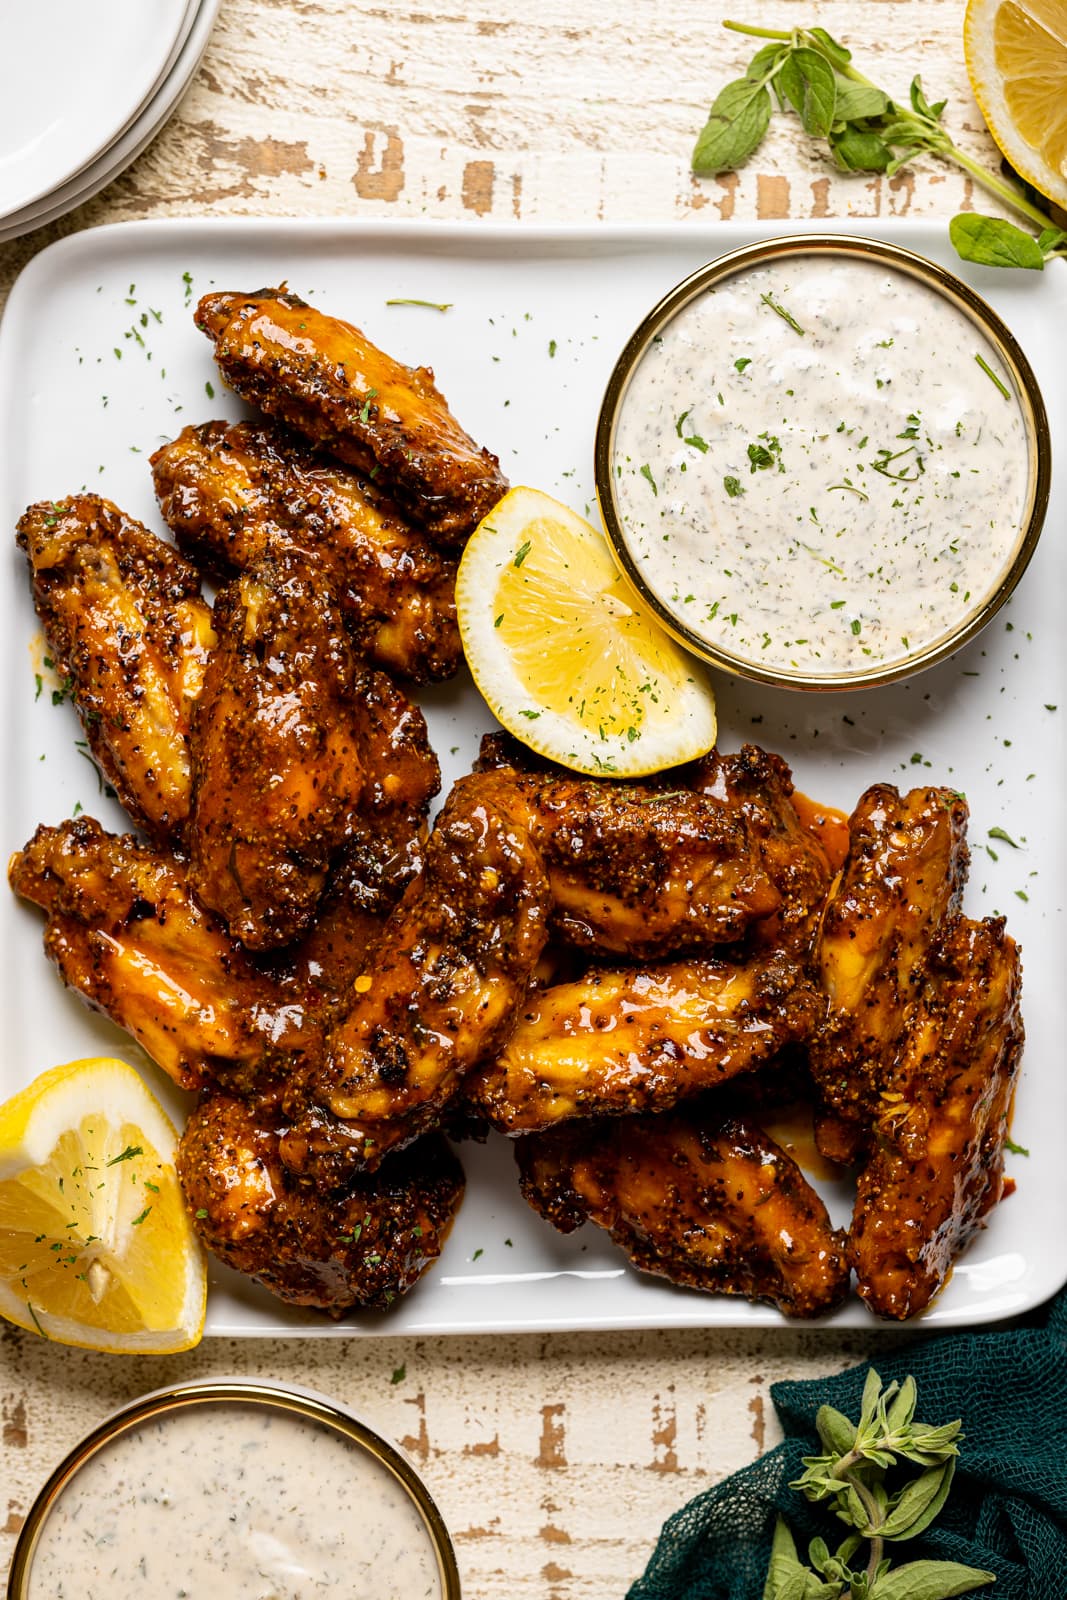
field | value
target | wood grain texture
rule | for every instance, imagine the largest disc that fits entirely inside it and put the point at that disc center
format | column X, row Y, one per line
column 555, row 1460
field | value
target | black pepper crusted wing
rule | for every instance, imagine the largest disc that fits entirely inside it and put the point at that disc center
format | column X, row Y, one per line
column 127, row 627
column 943, row 1115
column 704, row 1199
column 128, row 936
column 324, row 378
column 241, row 495
column 904, row 876
column 360, row 1246
column 641, row 1039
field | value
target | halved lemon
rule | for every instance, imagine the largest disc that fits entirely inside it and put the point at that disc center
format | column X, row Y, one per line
column 96, row 1246
column 564, row 654
column 1016, row 54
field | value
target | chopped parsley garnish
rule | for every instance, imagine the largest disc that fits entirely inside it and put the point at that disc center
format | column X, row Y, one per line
column 128, row 1154
column 646, row 472
column 733, row 486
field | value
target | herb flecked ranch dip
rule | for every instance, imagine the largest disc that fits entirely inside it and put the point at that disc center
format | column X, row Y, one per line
column 248, row 1502
column 820, row 464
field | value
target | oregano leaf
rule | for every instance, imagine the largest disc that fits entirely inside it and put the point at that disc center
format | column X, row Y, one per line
column 807, row 79
column 930, row 1580
column 856, row 100
column 919, row 1502
column 736, row 124
column 993, row 242
column 902, row 1409
column 1050, row 239
column 835, row 1430
column 837, row 53
column 765, row 61
column 857, row 151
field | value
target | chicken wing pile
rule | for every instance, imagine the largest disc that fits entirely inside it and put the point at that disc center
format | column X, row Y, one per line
column 628, row 979
column 280, row 776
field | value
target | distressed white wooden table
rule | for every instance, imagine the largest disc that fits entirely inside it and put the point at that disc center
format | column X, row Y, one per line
column 554, row 1459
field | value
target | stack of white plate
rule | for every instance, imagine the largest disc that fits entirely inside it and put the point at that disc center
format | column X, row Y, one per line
column 83, row 90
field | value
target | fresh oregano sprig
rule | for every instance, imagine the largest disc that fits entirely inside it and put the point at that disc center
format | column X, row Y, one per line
column 867, row 131
column 860, row 1477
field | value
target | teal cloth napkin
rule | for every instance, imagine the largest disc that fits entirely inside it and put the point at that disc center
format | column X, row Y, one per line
column 1007, row 1511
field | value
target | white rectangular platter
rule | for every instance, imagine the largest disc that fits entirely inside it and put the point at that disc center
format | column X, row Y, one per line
column 100, row 362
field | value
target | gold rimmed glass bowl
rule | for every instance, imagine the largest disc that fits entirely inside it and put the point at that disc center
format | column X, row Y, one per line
column 783, row 602
column 144, row 1458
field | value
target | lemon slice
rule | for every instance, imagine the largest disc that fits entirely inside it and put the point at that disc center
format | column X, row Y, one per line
column 564, row 654
column 96, row 1247
column 1016, row 54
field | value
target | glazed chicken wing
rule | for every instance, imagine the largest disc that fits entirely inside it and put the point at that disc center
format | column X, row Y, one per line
column 705, row 1200
column 384, row 845
column 127, row 935
column 637, row 870
column 287, row 733
column 641, row 1039
column 362, row 1246
column 942, row 1117
column 437, row 992
column 239, row 495
column 128, row 630
column 904, row 875
column 758, row 786
column 324, row 378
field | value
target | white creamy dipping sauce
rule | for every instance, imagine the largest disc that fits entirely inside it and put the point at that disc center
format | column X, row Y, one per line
column 240, row 1500
column 821, row 465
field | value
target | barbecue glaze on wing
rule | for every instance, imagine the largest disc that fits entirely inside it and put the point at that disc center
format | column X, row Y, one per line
column 325, row 379
column 128, row 630
column 243, row 495
column 361, row 1246
column 300, row 754
column 904, row 876
column 128, row 936
column 705, row 1199
column 943, row 1114
column 641, row 1038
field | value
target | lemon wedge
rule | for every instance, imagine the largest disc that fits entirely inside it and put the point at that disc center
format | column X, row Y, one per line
column 564, row 654
column 96, row 1247
column 1016, row 53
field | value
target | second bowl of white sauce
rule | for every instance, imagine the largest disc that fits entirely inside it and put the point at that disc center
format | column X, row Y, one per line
column 239, row 1489
column 823, row 462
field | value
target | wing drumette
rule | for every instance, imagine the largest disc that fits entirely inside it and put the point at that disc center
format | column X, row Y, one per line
column 125, row 623
column 237, row 496
column 324, row 378
column 703, row 1199
column 942, row 1117
column 362, row 1246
